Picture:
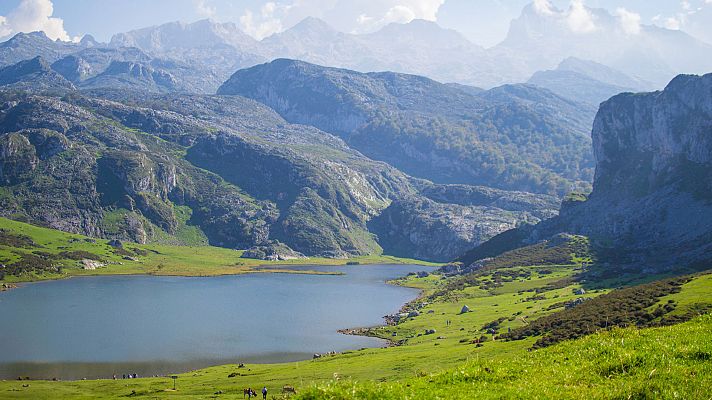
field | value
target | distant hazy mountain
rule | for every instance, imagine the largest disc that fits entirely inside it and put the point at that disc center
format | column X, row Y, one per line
column 418, row 47
column 133, row 76
column 24, row 46
column 586, row 81
column 176, row 36
column 605, row 74
column 537, row 41
column 93, row 61
column 512, row 137
column 314, row 40
column 32, row 75
column 540, row 40
column 216, row 48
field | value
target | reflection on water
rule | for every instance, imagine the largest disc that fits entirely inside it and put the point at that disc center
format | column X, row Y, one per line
column 99, row 326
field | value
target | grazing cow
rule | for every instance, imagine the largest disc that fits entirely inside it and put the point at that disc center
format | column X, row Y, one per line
column 289, row 390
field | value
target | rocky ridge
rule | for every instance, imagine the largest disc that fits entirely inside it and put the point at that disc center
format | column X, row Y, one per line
column 651, row 205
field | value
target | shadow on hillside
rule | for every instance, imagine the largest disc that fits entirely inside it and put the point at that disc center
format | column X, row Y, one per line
column 617, row 267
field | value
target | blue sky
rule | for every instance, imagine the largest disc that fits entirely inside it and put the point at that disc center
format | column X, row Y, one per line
column 483, row 21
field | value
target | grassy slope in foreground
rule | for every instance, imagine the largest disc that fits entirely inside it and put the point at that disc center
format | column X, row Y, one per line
column 66, row 250
column 654, row 363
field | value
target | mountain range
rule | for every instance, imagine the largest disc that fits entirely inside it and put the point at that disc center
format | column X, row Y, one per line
column 512, row 137
column 197, row 133
column 203, row 54
column 226, row 170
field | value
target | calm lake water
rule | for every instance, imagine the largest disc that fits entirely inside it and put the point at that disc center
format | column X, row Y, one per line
column 98, row 326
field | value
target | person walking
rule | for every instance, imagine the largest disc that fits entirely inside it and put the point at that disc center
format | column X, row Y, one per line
column 264, row 393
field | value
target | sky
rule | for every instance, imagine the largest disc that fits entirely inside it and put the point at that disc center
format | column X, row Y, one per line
column 484, row 22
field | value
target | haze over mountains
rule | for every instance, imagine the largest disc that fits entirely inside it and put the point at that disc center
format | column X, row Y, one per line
column 537, row 40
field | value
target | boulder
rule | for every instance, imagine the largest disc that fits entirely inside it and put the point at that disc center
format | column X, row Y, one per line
column 91, row 264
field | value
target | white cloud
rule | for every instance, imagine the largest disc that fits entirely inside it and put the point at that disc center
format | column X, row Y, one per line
column 579, row 18
column 399, row 13
column 698, row 22
column 402, row 12
column 204, row 9
column 672, row 23
column 693, row 17
column 348, row 15
column 31, row 16
column 543, row 7
column 629, row 21
column 268, row 22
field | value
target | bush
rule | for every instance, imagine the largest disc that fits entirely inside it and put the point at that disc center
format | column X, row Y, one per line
column 621, row 308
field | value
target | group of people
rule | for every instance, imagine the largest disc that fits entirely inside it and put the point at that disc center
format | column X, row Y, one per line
column 127, row 376
column 249, row 392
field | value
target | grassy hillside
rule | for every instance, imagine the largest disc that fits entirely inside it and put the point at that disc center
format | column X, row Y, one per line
column 657, row 363
column 469, row 356
column 28, row 253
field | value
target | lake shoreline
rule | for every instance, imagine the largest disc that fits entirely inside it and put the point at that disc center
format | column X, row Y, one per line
column 253, row 269
column 274, row 359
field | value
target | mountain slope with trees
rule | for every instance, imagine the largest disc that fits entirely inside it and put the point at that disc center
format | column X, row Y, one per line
column 512, row 137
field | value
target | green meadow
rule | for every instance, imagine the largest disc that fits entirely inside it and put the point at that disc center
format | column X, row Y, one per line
column 62, row 254
column 663, row 349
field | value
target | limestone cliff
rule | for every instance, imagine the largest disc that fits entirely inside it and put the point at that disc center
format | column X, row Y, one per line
column 651, row 205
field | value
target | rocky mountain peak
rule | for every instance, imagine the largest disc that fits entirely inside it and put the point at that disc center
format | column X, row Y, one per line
column 88, row 41
column 312, row 24
column 643, row 143
column 22, row 39
column 179, row 35
column 423, row 32
column 652, row 192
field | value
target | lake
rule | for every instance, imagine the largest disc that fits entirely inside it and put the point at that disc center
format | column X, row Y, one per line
column 92, row 327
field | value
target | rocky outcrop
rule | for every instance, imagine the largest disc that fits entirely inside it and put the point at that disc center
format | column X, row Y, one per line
column 407, row 227
column 273, row 251
column 653, row 187
column 133, row 75
column 17, row 158
column 651, row 205
column 34, row 74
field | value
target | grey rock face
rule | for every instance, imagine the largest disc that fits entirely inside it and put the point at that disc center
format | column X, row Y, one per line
column 651, row 205
column 407, row 227
column 34, row 74
column 653, row 186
